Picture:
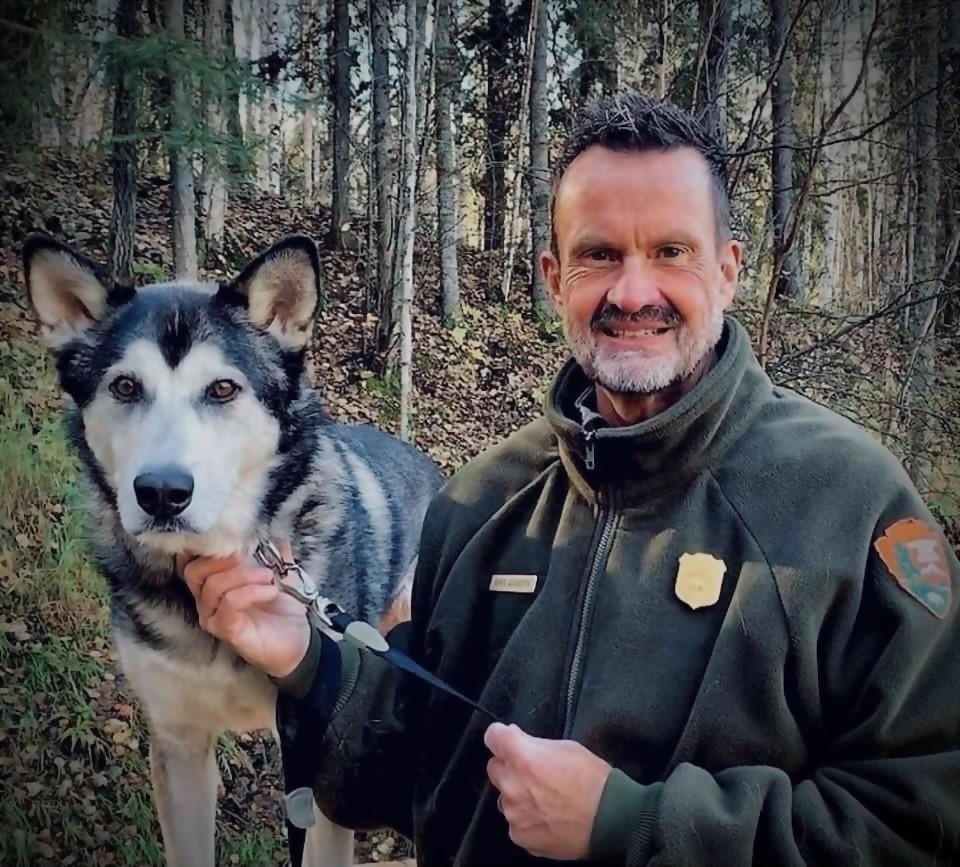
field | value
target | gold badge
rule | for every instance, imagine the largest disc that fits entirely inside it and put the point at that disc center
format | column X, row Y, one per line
column 699, row 579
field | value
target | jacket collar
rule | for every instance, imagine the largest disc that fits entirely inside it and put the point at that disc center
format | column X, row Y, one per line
column 635, row 464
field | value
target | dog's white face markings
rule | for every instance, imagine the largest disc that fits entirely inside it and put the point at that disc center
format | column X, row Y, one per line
column 227, row 448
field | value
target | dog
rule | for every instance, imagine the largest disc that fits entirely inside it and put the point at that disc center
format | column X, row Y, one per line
column 198, row 433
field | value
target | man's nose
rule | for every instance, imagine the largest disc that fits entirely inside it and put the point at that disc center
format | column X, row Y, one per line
column 636, row 286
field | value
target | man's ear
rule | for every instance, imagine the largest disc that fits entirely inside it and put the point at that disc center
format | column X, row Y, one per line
column 731, row 259
column 68, row 292
column 281, row 288
column 550, row 266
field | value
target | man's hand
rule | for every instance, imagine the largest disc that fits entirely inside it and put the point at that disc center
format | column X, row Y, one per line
column 549, row 790
column 239, row 604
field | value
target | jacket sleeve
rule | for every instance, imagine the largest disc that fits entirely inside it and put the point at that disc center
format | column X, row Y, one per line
column 884, row 788
column 348, row 720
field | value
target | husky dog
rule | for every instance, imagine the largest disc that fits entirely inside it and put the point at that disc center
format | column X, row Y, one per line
column 198, row 433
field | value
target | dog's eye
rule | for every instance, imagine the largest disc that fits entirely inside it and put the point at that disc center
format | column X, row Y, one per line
column 125, row 388
column 223, row 390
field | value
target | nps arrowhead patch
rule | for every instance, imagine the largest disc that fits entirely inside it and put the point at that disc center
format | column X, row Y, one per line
column 916, row 559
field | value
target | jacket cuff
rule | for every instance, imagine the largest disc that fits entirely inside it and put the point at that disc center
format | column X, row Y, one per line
column 349, row 673
column 297, row 683
column 625, row 826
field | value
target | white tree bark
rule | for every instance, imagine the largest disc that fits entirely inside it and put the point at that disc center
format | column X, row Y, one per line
column 183, row 205
column 521, row 147
column 260, row 114
column 311, row 32
column 340, row 211
column 922, row 316
column 831, row 89
column 447, row 175
column 408, row 230
column 214, row 188
column 540, row 158
column 274, row 107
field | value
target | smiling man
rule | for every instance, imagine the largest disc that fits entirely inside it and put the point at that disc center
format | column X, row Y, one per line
column 646, row 268
column 719, row 618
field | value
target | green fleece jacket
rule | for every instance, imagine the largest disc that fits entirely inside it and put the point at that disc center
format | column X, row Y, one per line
column 744, row 607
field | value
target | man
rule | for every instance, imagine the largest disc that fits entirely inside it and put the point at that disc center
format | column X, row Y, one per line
column 719, row 618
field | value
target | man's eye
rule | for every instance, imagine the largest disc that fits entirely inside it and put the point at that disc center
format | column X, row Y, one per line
column 600, row 255
column 223, row 390
column 126, row 389
column 670, row 251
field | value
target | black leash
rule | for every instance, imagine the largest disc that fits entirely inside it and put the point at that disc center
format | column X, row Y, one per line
column 323, row 611
column 365, row 636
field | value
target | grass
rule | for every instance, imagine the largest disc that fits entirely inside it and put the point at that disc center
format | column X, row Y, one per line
column 74, row 777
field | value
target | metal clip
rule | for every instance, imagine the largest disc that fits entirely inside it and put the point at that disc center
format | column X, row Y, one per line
column 267, row 554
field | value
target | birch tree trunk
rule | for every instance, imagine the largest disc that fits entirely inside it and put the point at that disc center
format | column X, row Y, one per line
column 123, row 217
column 521, row 147
column 447, row 177
column 275, row 46
column 922, row 317
column 260, row 114
column 214, row 181
column 831, row 87
column 310, row 32
column 781, row 116
column 409, row 214
column 340, row 212
column 183, row 205
column 540, row 159
column 951, row 106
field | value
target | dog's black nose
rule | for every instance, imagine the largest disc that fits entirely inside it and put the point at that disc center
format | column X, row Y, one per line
column 163, row 492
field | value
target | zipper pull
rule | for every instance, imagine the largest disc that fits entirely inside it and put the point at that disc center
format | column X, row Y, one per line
column 590, row 459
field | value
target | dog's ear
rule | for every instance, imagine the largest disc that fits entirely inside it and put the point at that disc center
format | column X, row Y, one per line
column 282, row 289
column 68, row 292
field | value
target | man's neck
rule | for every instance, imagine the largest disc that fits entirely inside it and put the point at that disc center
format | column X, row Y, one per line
column 621, row 410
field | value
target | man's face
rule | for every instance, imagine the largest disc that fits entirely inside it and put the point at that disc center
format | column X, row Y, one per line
column 642, row 280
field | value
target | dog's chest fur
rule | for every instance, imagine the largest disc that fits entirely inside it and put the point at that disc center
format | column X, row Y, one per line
column 202, row 684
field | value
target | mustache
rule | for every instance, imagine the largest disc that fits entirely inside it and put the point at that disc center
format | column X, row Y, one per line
column 610, row 315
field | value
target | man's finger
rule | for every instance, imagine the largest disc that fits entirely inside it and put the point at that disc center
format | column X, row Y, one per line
column 197, row 571
column 181, row 560
column 234, row 603
column 497, row 773
column 217, row 586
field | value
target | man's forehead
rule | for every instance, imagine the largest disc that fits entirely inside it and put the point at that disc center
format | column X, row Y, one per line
column 600, row 169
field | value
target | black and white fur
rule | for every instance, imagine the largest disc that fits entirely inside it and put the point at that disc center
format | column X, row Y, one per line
column 198, row 433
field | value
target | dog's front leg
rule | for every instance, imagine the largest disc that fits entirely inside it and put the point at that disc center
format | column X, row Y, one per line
column 327, row 845
column 183, row 769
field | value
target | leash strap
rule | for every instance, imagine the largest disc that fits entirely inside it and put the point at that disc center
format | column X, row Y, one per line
column 366, row 637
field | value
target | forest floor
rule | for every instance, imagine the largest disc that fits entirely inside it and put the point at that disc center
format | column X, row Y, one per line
column 74, row 785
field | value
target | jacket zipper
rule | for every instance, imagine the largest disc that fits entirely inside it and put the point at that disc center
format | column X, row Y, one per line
column 590, row 458
column 607, row 517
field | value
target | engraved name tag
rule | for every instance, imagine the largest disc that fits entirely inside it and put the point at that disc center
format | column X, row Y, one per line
column 513, row 583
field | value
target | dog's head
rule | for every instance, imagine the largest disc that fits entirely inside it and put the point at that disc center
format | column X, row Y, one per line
column 186, row 391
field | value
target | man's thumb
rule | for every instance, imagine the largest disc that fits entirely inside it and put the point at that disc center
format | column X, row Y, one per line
column 503, row 740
